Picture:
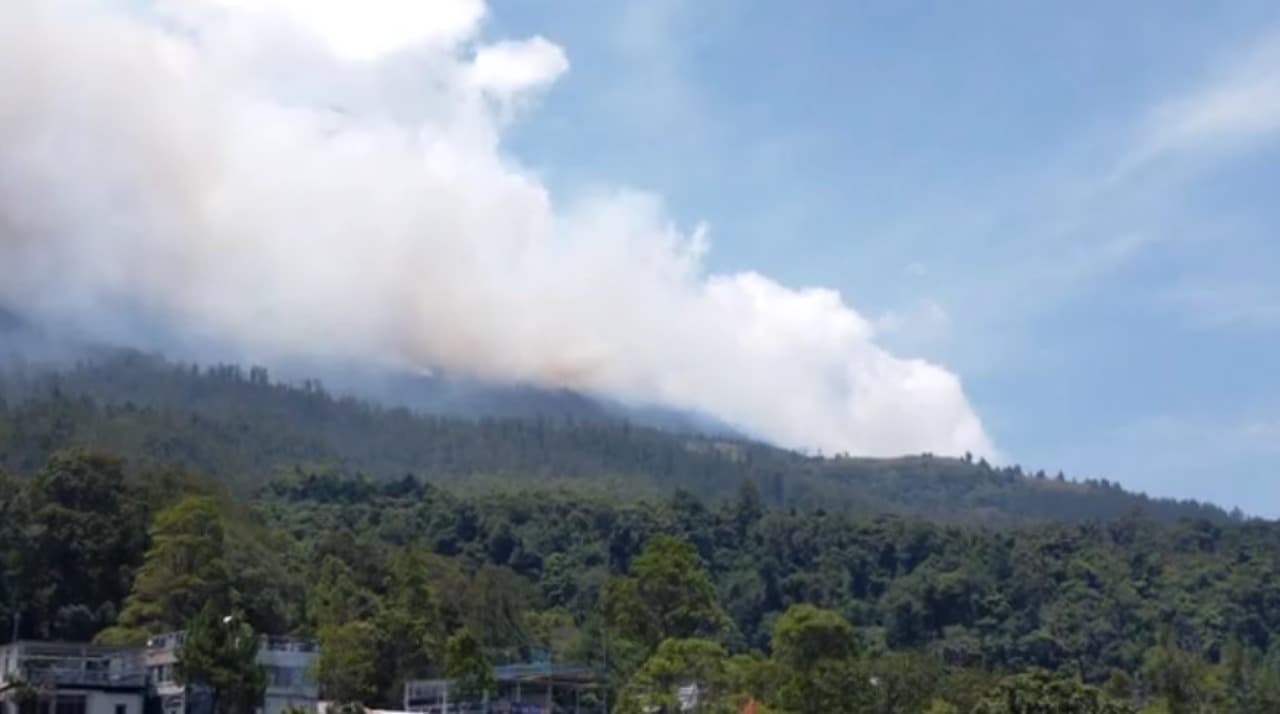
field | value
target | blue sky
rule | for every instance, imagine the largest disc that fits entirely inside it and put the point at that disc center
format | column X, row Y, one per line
column 1071, row 206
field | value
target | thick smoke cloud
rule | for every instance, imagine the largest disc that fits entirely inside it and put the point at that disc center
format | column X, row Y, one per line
column 326, row 179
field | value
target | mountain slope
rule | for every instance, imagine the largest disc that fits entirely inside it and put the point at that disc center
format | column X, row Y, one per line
column 111, row 373
column 242, row 427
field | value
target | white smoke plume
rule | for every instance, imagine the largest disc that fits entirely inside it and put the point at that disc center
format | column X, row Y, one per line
column 327, row 178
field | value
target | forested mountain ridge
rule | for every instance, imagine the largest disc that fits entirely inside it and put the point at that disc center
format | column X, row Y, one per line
column 143, row 495
column 243, row 427
column 35, row 351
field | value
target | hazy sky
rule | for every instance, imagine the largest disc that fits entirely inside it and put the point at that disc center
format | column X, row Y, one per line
column 1073, row 206
column 1041, row 232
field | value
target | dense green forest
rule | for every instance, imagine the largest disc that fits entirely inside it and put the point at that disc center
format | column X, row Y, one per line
column 243, row 428
column 138, row 496
column 794, row 607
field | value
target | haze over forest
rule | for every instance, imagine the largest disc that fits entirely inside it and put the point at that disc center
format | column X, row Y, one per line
column 323, row 190
column 836, row 359
column 264, row 189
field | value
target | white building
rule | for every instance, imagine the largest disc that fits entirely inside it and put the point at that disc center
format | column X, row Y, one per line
column 287, row 662
column 523, row 688
column 61, row 678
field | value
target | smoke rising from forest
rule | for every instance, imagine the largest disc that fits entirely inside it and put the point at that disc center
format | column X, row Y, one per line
column 328, row 179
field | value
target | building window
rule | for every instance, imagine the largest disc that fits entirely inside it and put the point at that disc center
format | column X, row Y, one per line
column 286, row 676
column 122, row 709
column 69, row 705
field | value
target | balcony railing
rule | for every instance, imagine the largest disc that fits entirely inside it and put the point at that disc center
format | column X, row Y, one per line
column 169, row 640
column 175, row 640
column 77, row 676
column 288, row 644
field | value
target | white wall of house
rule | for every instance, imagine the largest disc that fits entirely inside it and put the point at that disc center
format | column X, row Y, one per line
column 278, row 704
column 94, row 702
column 113, row 703
column 73, row 678
column 290, row 683
column 287, row 664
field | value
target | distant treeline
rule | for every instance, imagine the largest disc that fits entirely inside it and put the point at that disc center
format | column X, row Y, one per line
column 246, row 429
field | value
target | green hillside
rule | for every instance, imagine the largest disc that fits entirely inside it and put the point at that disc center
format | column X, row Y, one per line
column 244, row 428
column 143, row 496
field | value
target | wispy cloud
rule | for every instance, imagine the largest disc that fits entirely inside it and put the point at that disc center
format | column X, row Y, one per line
column 1239, row 304
column 1239, row 104
column 651, row 36
column 1092, row 223
column 1262, row 430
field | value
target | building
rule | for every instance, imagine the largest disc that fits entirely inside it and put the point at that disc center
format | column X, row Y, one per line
column 287, row 662
column 528, row 688
column 291, row 682
column 62, row 678
column 67, row 678
column 689, row 697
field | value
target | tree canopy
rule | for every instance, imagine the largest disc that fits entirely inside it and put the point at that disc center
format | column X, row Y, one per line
column 415, row 546
column 219, row 655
